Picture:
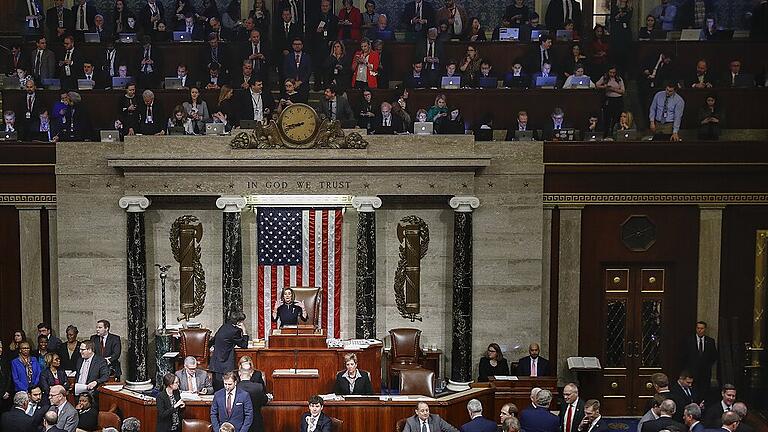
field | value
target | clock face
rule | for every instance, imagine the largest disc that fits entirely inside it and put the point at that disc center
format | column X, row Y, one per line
column 299, row 124
column 638, row 233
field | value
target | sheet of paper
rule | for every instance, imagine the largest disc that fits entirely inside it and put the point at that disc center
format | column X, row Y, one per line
column 80, row 388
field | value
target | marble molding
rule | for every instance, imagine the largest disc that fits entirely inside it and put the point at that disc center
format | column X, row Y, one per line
column 461, row 352
column 164, row 343
column 137, row 297
column 365, row 288
column 232, row 264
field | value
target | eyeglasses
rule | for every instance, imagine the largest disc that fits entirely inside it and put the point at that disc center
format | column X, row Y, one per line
column 83, row 349
column 491, row 350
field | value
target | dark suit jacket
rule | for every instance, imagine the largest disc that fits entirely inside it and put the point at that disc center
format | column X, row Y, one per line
column 52, row 21
column 479, row 424
column 302, row 72
column 16, row 420
column 699, row 427
column 742, row 80
column 47, row 379
column 511, row 137
column 246, row 113
column 319, row 42
column 281, row 40
column 713, row 415
column 694, row 79
column 90, row 14
column 362, row 384
column 165, row 410
column 344, row 113
column 577, row 417
column 534, row 59
column 681, row 399
column 47, row 63
column 246, row 50
column 323, row 423
column 553, row 17
column 145, row 16
column 67, row 362
column 549, row 131
column 602, row 426
column 242, row 409
column 98, row 371
column 421, row 52
column 436, row 424
column 396, row 125
column 663, row 423
column 538, row 419
column 198, row 30
column 112, row 349
column 227, row 336
column 700, row 364
column 427, row 12
column 77, row 64
column 524, row 367
column 257, row 391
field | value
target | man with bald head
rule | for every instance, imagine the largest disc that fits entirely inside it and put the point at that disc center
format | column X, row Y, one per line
column 666, row 411
column 67, row 414
column 533, row 365
column 537, row 417
column 731, row 421
column 572, row 409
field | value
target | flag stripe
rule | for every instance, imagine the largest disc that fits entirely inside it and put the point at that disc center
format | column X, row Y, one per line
column 260, row 296
column 337, row 276
column 310, row 256
column 324, row 272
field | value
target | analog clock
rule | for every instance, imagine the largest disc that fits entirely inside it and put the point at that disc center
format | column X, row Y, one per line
column 638, row 233
column 298, row 124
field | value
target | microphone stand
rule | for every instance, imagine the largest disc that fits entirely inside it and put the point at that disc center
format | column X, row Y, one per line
column 296, row 361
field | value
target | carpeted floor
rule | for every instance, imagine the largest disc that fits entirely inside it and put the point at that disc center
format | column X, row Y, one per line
column 623, row 424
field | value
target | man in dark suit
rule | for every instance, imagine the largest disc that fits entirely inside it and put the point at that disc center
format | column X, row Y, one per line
column 416, row 78
column 149, row 69
column 430, row 52
column 77, row 124
column 256, row 52
column 215, row 77
column 691, row 415
column 150, row 15
column 735, row 78
column 336, row 107
column 386, row 123
column 683, row 393
column 214, row 52
column 231, row 404
column 433, row 421
column 252, row 383
column 702, row 78
column 699, row 355
column 477, row 422
column 90, row 73
column 521, row 124
column 284, row 34
column 42, row 61
column 112, row 59
column 297, row 11
column 418, row 16
column 192, row 379
column 70, row 63
column 714, row 412
column 92, row 369
column 557, row 122
column 592, row 421
column 572, row 408
column 537, row 57
column 298, row 65
column 255, row 103
column 192, row 26
column 108, row 346
column 533, row 364
column 560, row 11
column 151, row 117
column 84, row 15
column 16, row 419
column 729, row 423
column 666, row 411
column 537, row 417
column 321, row 31
column 59, row 21
column 316, row 416
column 230, row 334
column 740, row 408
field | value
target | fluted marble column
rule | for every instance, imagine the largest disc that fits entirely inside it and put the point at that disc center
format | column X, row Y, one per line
column 365, row 288
column 136, row 288
column 232, row 251
column 461, row 352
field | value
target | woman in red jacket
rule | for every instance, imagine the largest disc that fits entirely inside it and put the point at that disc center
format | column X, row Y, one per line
column 350, row 21
column 365, row 64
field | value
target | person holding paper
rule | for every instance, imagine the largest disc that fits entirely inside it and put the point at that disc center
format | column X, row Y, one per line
column 192, row 379
column 92, row 369
column 169, row 405
column 288, row 311
column 352, row 381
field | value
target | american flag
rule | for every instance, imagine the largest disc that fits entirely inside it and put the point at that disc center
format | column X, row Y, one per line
column 299, row 248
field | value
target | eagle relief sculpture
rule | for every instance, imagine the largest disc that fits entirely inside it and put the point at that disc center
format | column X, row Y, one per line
column 298, row 127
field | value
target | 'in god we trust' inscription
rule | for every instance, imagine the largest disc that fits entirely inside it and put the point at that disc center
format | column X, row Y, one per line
column 306, row 185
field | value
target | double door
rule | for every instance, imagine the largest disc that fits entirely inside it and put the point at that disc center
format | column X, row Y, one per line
column 633, row 335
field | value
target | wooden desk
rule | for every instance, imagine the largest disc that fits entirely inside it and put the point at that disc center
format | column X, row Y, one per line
column 328, row 361
column 299, row 385
column 365, row 414
column 518, row 391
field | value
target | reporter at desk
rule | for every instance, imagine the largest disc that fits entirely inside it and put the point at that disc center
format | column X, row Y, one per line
column 352, row 381
column 289, row 311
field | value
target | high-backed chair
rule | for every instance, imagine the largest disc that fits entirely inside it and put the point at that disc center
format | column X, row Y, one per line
column 109, row 419
column 195, row 425
column 417, row 382
column 400, row 424
column 405, row 352
column 337, row 425
column 194, row 342
column 312, row 302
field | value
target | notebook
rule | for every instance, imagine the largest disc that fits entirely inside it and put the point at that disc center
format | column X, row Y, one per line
column 582, row 81
column 173, row 83
column 423, row 128
column 180, row 36
column 85, row 84
column 120, row 82
column 626, row 135
column 52, row 84
column 526, row 135
column 487, row 82
column 127, row 37
column 690, row 34
column 214, row 128
column 109, row 136
column 9, row 136
column 547, row 81
column 509, row 34
column 536, row 34
column 564, row 35
column 453, row 82
column 91, row 38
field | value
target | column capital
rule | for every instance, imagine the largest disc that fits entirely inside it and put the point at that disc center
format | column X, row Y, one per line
column 231, row 203
column 712, row 206
column 134, row 203
column 366, row 204
column 464, row 204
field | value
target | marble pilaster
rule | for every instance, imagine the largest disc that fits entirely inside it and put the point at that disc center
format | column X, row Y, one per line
column 569, row 276
column 136, row 272
column 53, row 245
column 710, row 237
column 31, row 264
column 164, row 343
column 546, row 289
column 461, row 351
column 232, row 253
column 365, row 287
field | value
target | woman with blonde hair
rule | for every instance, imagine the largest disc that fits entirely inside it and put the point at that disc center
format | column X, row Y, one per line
column 352, row 381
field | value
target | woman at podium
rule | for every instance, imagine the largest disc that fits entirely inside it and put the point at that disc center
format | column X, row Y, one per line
column 352, row 381
column 288, row 311
column 493, row 363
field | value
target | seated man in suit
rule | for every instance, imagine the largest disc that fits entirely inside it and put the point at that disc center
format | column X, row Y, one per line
column 386, row 123
column 735, row 78
column 336, row 107
column 572, row 409
column 192, row 379
column 67, row 414
column 546, row 71
column 16, row 418
column 416, row 79
column 537, row 417
column 486, row 72
column 315, row 420
column 713, row 413
column 477, row 422
column 593, row 421
column 533, row 364
column 231, row 405
column 189, row 25
column 551, row 127
column 666, row 411
column 691, row 418
column 352, row 381
column 151, row 116
column 702, row 78
column 90, row 73
column 108, row 346
column 416, row 422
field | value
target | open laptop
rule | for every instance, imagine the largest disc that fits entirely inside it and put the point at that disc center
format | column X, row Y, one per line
column 11, row 82
column 177, row 130
column 509, row 34
column 91, row 38
column 453, row 82
column 214, row 128
column 52, row 84
column 581, row 82
column 423, row 128
column 487, row 82
column 564, row 36
column 546, row 82
column 180, row 36
column 9, row 136
column 120, row 82
column 85, row 84
column 593, row 136
column 724, row 34
column 690, row 34
column 385, row 35
column 128, row 38
column 565, row 134
column 536, row 34
column 249, row 124
column 109, row 136
column 172, row 83
column 626, row 135
column 526, row 135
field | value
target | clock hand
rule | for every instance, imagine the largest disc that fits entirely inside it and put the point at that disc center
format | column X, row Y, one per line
column 642, row 231
column 293, row 126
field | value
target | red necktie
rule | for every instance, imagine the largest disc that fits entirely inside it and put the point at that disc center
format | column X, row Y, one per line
column 569, row 418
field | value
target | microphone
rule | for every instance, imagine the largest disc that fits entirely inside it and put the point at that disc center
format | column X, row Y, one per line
column 296, row 360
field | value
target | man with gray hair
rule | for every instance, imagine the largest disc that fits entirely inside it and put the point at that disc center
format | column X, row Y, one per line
column 666, row 411
column 653, row 413
column 77, row 124
column 572, row 409
column 49, row 422
column 17, row 419
column 131, row 424
column 477, row 423
column 731, row 422
column 192, row 379
column 151, row 121
column 692, row 417
column 537, row 417
column 510, row 424
column 740, row 408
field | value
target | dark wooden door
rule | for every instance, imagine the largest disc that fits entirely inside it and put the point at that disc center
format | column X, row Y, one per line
column 633, row 335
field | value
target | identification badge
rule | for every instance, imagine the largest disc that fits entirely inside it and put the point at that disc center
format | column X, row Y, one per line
column 29, row 115
column 624, row 25
column 149, row 119
column 325, row 33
